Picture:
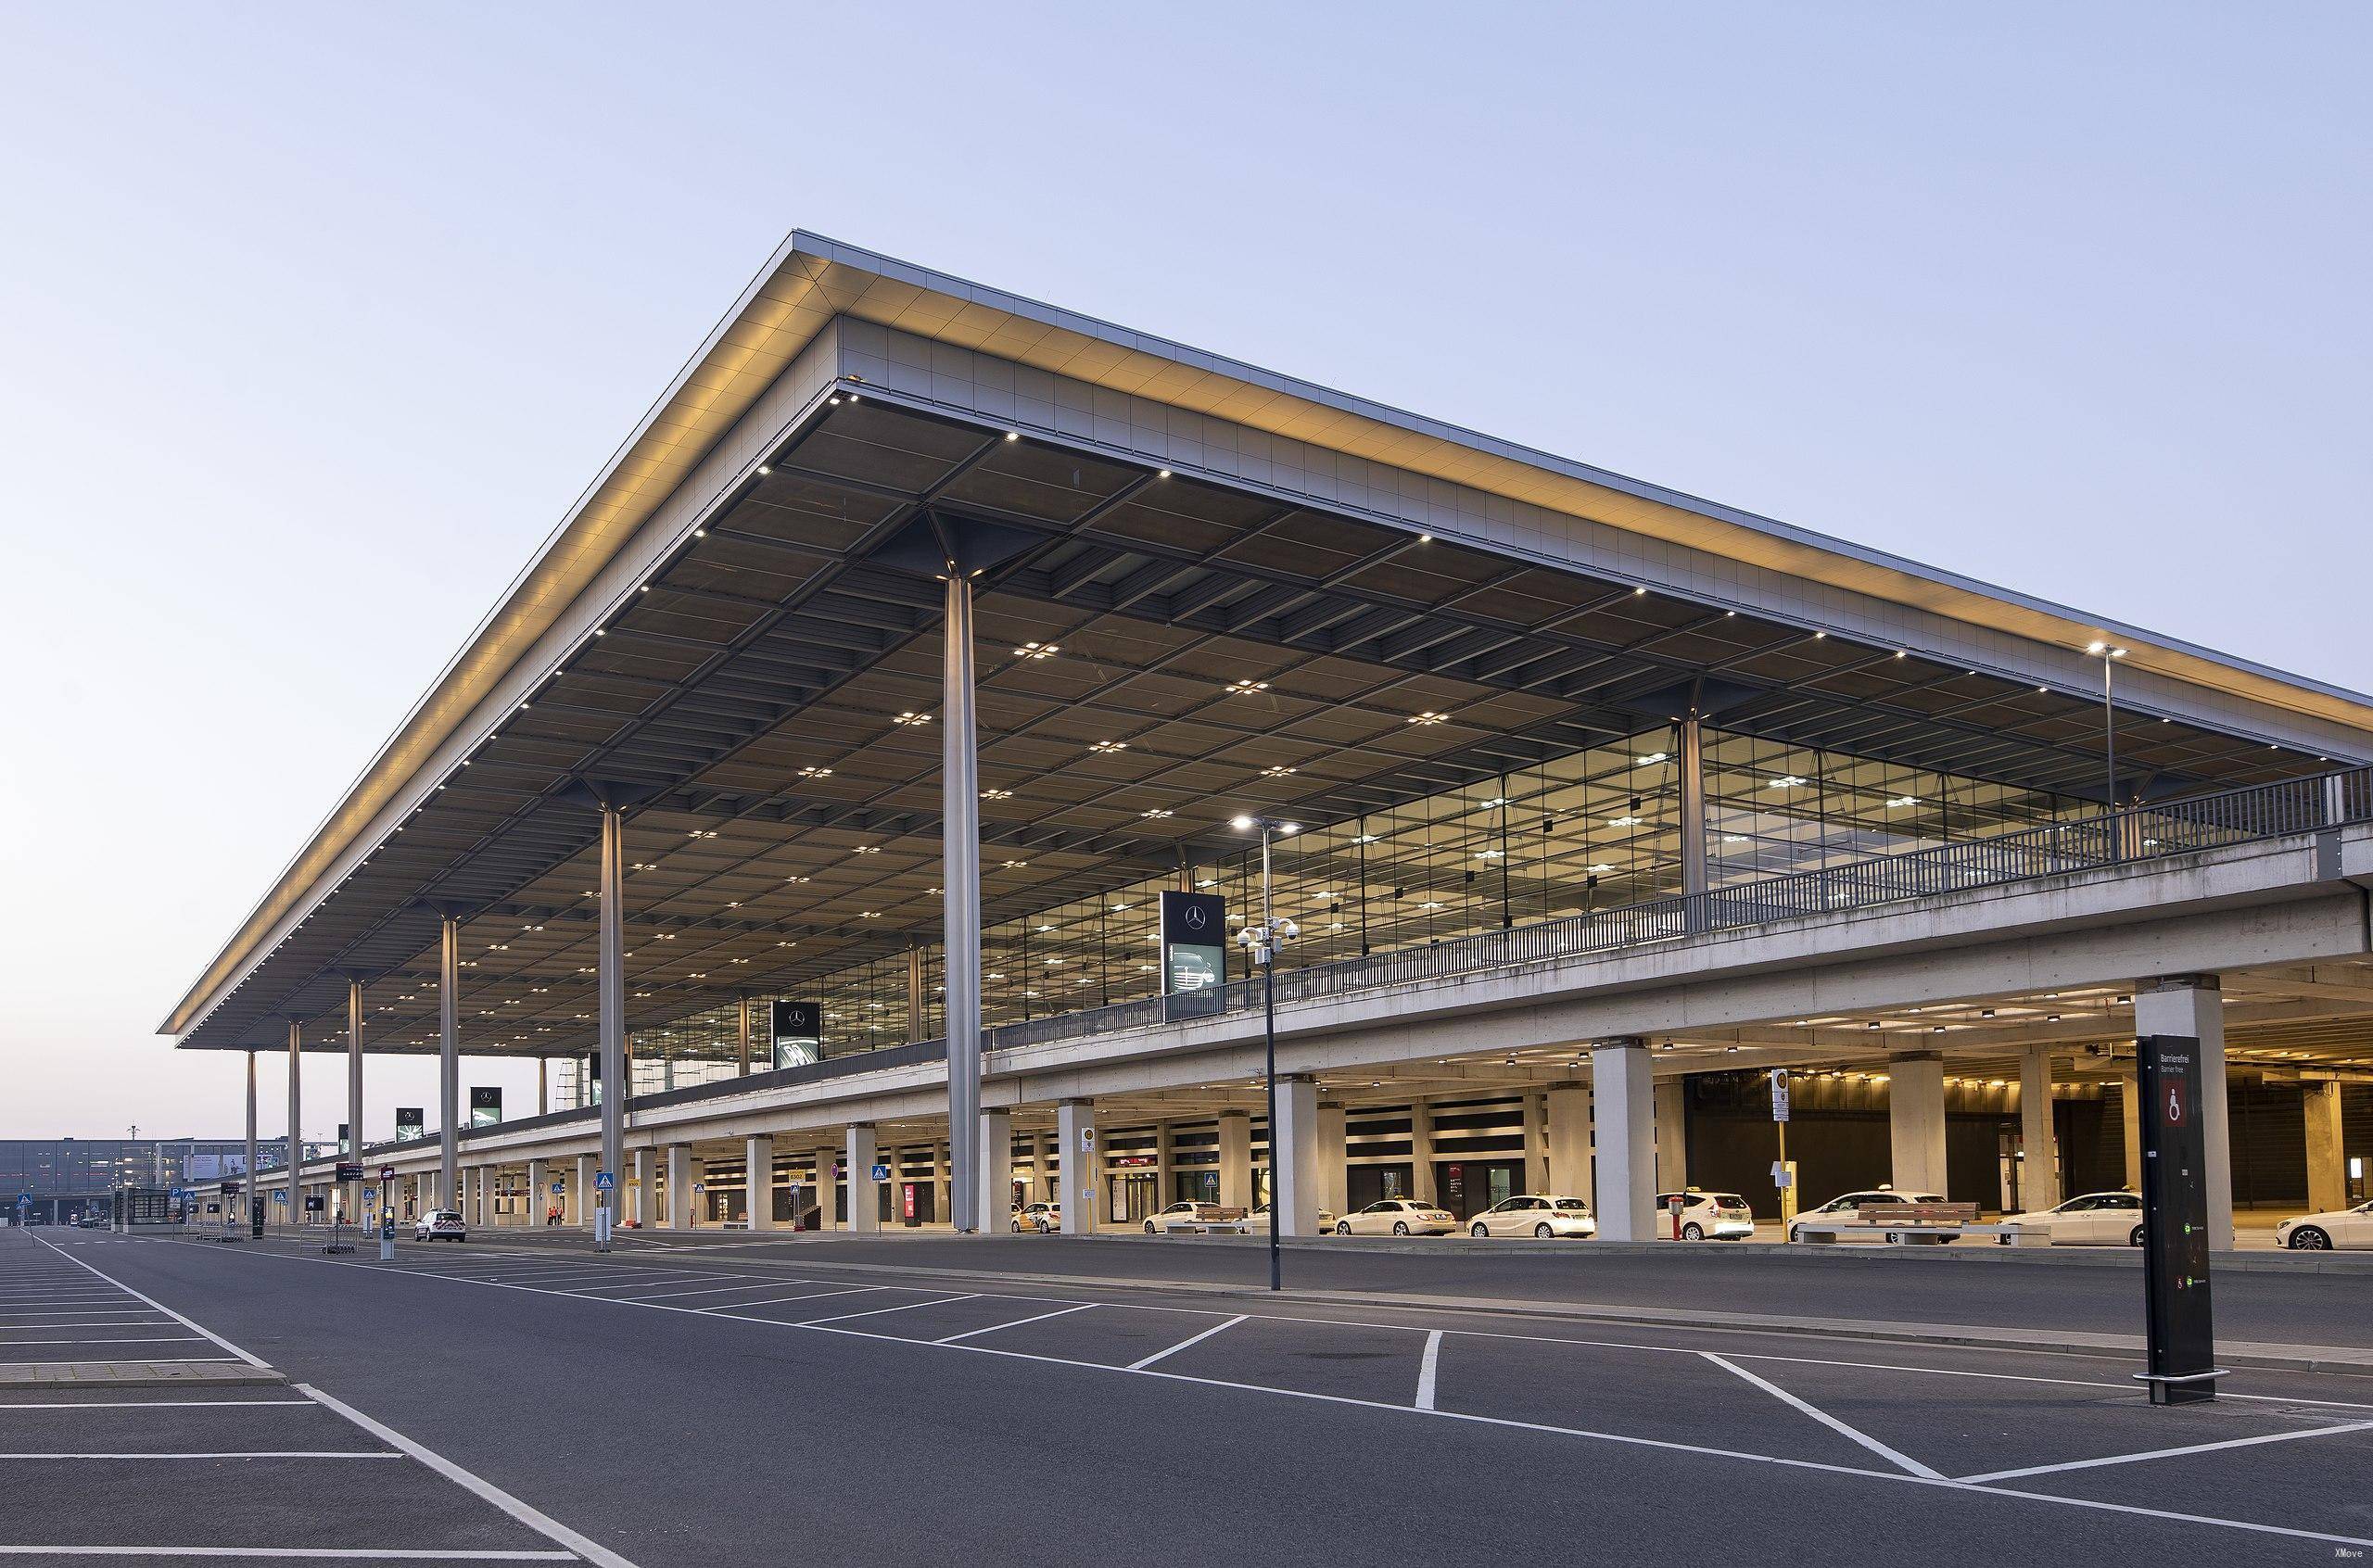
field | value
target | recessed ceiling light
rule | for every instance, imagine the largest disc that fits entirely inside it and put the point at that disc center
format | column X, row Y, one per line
column 1158, row 811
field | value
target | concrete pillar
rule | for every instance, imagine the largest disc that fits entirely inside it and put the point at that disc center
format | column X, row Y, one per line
column 741, row 1039
column 1692, row 768
column 1421, row 1152
column 2194, row 1005
column 996, row 1173
column 580, row 1191
column 943, row 1174
column 825, row 1184
column 1081, row 1162
column 864, row 1200
column 1536, row 1142
column 540, row 1196
column 1334, row 1146
column 679, row 1187
column 2327, row 1170
column 1294, row 1158
column 1236, row 1159
column 1916, row 1122
column 1164, row 1192
column 1042, row 1167
column 1623, row 1105
column 2039, row 1172
column 2129, row 1100
column 1567, row 1140
column 758, row 1181
column 646, row 1190
column 1672, row 1134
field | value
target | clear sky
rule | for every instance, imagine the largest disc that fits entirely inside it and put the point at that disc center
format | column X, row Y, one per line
column 313, row 320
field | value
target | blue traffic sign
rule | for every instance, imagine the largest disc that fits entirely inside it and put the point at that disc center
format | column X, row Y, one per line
column 603, row 1181
column 881, row 1173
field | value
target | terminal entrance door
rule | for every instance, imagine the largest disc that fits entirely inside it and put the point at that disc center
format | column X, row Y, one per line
column 1197, row 1186
column 1466, row 1187
column 1364, row 1184
column 1134, row 1196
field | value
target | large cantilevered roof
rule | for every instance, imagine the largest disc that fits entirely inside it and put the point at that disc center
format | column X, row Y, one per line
column 747, row 673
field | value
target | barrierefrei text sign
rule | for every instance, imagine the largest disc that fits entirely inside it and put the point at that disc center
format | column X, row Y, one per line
column 2181, row 1349
column 798, row 1030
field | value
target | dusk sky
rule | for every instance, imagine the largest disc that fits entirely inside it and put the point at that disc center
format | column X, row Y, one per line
column 313, row 322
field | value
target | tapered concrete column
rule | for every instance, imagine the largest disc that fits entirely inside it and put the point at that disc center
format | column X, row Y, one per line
column 2327, row 1169
column 960, row 777
column 758, row 1181
column 679, row 1187
column 917, row 1003
column 1081, row 1163
column 1569, row 1139
column 1672, row 1134
column 1692, row 770
column 609, row 962
column 826, row 1186
column 864, row 1193
column 580, row 1191
column 2194, row 1005
column 2130, row 1104
column 540, row 1196
column 742, row 1037
column 1916, row 1122
column 1236, row 1159
column 2039, row 1170
column 295, row 1122
column 1334, row 1158
column 996, row 1171
column 251, row 1194
column 1296, row 1158
column 449, row 1063
column 1042, row 1167
column 1536, row 1142
column 353, row 1150
column 1421, row 1152
column 646, row 1190
column 1623, row 1106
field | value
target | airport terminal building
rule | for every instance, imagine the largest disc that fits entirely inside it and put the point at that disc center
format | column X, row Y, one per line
column 868, row 781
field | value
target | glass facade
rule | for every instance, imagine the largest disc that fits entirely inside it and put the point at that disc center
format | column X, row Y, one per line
column 1593, row 829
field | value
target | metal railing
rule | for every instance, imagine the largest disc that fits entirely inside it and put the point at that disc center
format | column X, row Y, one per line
column 2139, row 833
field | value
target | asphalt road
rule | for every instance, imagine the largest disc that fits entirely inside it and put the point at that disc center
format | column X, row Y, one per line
column 716, row 1408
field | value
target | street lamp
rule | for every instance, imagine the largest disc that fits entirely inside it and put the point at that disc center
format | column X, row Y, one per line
column 2109, row 654
column 1261, row 943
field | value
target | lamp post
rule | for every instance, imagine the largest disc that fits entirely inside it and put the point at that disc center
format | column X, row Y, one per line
column 2109, row 654
column 1261, row 943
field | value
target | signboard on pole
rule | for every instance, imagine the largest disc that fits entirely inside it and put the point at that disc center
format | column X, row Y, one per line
column 349, row 1171
column 486, row 1107
column 603, row 1181
column 2182, row 1338
column 412, row 1123
column 345, row 1137
column 1194, row 952
column 1779, row 1093
column 797, row 1031
column 881, row 1173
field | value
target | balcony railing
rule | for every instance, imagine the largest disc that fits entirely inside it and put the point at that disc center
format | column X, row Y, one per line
column 2139, row 833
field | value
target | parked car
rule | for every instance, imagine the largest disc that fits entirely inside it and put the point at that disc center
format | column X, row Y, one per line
column 2321, row 1232
column 1039, row 1216
column 1716, row 1216
column 2089, row 1220
column 1257, row 1223
column 1848, row 1206
column 1539, row 1215
column 1397, row 1217
column 1189, row 1217
column 441, row 1224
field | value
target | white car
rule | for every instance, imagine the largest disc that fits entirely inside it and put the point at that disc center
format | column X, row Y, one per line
column 1397, row 1217
column 1257, row 1223
column 2090, row 1220
column 1539, row 1215
column 440, row 1224
column 1706, row 1216
column 2320, row 1233
column 1039, row 1216
column 1846, row 1208
column 1190, row 1216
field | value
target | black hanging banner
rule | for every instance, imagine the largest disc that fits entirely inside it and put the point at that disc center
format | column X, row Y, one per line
column 1194, row 953
column 798, row 1032
column 411, row 1123
column 486, row 1107
column 2182, row 1351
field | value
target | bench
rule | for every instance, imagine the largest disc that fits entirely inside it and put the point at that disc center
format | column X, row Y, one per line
column 1920, row 1224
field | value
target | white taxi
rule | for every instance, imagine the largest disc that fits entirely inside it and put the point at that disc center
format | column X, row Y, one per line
column 2321, row 1232
column 1397, row 1217
column 1542, row 1215
column 2087, row 1219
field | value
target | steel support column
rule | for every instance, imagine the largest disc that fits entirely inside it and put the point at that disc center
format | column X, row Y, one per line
column 1692, row 759
column 250, row 1192
column 960, row 875
column 354, row 1151
column 296, row 1126
column 612, row 981
column 449, row 1065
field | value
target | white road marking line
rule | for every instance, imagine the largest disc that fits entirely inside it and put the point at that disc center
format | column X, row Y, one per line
column 773, row 1300
column 251, row 1361
column 127, row 1339
column 996, row 1328
column 167, row 1405
column 1896, row 1476
column 24, row 1328
column 869, row 1312
column 230, row 1453
column 542, row 1523
column 1864, row 1438
column 1191, row 1339
column 640, row 1294
column 305, row 1554
column 2163, row 1453
column 144, row 1361
column 1426, row 1367
column 2015, row 1377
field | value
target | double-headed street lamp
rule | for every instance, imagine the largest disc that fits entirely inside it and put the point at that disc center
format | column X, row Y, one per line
column 1261, row 943
column 2109, row 654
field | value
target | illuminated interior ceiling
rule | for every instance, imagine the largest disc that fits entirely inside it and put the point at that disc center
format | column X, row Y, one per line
column 775, row 688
